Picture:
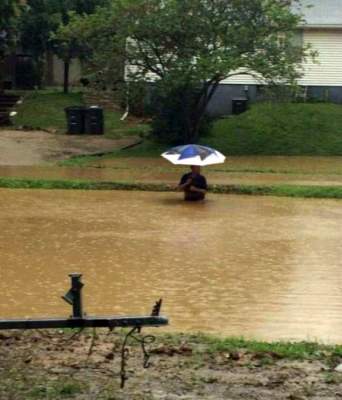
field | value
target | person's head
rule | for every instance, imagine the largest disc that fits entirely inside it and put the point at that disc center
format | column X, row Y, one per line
column 195, row 169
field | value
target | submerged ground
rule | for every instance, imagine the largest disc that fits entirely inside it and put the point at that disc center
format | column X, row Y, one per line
column 264, row 268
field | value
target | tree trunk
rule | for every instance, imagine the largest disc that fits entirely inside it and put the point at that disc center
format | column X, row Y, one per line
column 66, row 76
column 2, row 73
column 50, row 78
column 40, row 65
column 1, row 78
column 201, row 108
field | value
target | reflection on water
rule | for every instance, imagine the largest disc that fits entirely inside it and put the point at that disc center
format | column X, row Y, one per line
column 261, row 267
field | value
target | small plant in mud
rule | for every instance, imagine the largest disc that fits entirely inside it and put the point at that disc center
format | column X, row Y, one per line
column 56, row 390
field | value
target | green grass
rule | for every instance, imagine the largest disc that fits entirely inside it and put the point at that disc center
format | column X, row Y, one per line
column 115, row 128
column 289, row 129
column 322, row 192
column 44, row 109
column 281, row 129
column 56, row 390
column 290, row 350
column 295, row 350
column 266, row 129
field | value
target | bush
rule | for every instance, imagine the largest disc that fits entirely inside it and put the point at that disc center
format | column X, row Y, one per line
column 172, row 117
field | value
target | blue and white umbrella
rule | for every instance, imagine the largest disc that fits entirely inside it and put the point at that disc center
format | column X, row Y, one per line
column 194, row 154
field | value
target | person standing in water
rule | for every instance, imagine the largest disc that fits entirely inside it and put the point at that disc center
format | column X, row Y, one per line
column 193, row 184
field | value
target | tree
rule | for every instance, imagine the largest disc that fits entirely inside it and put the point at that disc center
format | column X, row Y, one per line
column 67, row 46
column 66, row 43
column 95, row 36
column 39, row 19
column 9, row 11
column 189, row 46
column 40, row 23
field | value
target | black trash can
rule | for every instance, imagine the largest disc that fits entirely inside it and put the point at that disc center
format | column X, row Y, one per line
column 239, row 105
column 94, row 123
column 75, row 120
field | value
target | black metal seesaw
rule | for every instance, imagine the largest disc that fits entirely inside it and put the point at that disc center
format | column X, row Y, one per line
column 79, row 319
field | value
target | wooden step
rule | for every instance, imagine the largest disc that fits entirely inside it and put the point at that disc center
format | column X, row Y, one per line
column 9, row 96
column 7, row 102
column 4, row 118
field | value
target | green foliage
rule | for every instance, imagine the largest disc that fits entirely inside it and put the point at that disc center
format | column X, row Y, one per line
column 66, row 43
column 41, row 22
column 96, row 35
column 192, row 45
column 38, row 20
column 9, row 12
column 281, row 129
column 173, row 115
column 187, row 44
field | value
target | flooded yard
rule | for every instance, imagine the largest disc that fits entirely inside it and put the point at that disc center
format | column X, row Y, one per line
column 277, row 164
column 167, row 174
column 267, row 268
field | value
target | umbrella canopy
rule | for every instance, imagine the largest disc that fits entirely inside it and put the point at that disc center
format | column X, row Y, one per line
column 193, row 154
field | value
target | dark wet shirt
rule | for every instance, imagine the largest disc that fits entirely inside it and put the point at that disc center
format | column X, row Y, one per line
column 198, row 181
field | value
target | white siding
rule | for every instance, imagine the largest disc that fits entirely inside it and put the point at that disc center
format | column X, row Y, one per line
column 327, row 71
column 241, row 80
column 327, row 68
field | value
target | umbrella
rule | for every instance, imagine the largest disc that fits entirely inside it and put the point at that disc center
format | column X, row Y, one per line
column 193, row 154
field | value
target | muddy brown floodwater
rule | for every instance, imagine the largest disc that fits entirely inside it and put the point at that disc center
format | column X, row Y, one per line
column 262, row 267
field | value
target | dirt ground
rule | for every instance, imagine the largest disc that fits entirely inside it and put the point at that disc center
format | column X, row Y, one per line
column 55, row 365
column 37, row 147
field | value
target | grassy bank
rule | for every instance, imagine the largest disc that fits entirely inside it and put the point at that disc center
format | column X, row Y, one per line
column 281, row 129
column 323, row 192
column 266, row 129
column 54, row 365
column 269, row 129
column 44, row 109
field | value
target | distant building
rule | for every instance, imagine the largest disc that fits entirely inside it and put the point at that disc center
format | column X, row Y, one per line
column 322, row 79
column 20, row 74
column 19, row 71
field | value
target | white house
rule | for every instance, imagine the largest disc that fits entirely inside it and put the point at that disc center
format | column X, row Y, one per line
column 322, row 79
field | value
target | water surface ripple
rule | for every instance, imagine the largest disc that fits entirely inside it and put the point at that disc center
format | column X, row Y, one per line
column 263, row 267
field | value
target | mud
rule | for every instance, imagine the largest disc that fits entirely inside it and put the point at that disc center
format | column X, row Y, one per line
column 37, row 147
column 50, row 365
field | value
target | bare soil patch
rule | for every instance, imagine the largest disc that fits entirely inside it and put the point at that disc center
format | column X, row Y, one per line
column 37, row 147
column 56, row 366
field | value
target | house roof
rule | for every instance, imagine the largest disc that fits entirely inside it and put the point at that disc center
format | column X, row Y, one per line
column 322, row 13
